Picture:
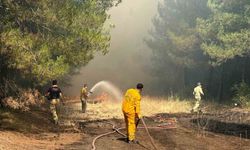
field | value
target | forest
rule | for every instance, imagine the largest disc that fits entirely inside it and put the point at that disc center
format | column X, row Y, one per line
column 192, row 41
column 49, row 39
column 203, row 41
column 186, row 62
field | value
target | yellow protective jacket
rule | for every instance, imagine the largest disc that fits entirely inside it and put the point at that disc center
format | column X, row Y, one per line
column 198, row 92
column 131, row 102
column 84, row 93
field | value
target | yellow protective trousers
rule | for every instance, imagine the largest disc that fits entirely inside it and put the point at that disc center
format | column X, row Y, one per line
column 131, row 108
column 130, row 125
column 53, row 105
column 197, row 104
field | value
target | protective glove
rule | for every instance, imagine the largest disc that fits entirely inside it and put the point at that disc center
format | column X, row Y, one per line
column 89, row 93
column 139, row 116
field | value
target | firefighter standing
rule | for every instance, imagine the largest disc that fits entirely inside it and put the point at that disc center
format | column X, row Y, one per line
column 197, row 95
column 131, row 110
column 84, row 97
column 54, row 94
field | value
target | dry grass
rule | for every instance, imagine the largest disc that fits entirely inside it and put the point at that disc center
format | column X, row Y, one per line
column 149, row 106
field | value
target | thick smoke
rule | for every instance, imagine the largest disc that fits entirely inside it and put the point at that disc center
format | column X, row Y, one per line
column 128, row 60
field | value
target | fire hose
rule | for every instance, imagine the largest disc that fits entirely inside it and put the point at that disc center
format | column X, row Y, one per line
column 111, row 132
column 117, row 130
column 150, row 137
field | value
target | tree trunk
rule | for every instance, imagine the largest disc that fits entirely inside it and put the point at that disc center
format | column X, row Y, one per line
column 182, row 85
column 243, row 71
column 221, row 86
column 210, row 79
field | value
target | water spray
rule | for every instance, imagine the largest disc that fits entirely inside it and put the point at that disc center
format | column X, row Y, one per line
column 89, row 93
column 107, row 86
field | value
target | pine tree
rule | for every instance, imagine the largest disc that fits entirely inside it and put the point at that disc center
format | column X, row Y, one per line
column 175, row 42
column 44, row 40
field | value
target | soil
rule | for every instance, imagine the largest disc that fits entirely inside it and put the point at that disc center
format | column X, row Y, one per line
column 194, row 132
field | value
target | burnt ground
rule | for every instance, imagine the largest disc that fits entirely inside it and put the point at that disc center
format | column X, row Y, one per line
column 227, row 130
column 187, row 135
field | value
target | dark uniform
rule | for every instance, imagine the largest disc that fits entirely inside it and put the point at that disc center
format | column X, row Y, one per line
column 54, row 94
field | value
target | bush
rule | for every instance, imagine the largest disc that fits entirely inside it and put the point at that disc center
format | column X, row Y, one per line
column 241, row 94
column 24, row 101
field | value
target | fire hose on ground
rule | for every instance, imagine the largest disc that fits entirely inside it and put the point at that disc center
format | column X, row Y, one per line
column 117, row 130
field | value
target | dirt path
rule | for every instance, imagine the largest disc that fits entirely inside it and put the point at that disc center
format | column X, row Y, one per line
column 17, row 141
column 77, row 130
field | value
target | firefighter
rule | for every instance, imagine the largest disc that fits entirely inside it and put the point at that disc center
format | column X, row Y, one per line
column 54, row 94
column 84, row 97
column 197, row 95
column 131, row 110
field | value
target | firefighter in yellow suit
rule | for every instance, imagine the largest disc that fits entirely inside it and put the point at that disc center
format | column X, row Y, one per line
column 131, row 110
column 197, row 95
column 84, row 97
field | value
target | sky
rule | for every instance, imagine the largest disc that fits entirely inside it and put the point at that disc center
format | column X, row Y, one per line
column 129, row 58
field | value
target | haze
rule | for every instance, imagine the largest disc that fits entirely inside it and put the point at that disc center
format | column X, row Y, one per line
column 128, row 59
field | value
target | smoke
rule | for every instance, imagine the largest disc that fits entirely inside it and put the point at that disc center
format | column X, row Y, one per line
column 128, row 61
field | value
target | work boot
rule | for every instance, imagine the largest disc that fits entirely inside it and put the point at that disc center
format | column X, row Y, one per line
column 133, row 142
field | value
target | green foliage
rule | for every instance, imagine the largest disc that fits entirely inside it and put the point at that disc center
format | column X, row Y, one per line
column 175, row 30
column 241, row 94
column 191, row 35
column 226, row 34
column 43, row 40
column 175, row 42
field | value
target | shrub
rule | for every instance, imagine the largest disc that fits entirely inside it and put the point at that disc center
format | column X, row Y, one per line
column 241, row 94
column 24, row 101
